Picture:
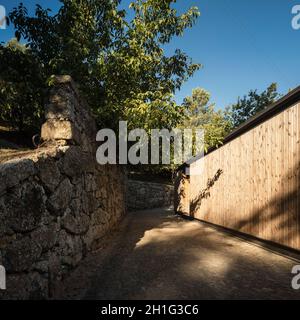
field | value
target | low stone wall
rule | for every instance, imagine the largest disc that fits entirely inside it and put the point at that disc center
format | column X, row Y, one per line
column 146, row 195
column 57, row 203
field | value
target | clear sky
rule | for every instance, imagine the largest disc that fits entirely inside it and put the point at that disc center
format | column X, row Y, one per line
column 242, row 44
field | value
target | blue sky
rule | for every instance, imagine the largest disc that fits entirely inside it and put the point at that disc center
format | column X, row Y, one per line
column 242, row 45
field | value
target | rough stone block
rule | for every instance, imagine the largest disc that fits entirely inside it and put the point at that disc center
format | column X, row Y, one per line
column 12, row 173
column 61, row 198
column 26, row 206
column 25, row 286
column 75, row 162
column 70, row 249
column 61, row 106
column 76, row 224
column 21, row 255
column 48, row 173
column 46, row 236
column 60, row 130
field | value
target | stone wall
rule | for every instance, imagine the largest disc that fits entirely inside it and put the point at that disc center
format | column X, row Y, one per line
column 146, row 195
column 56, row 203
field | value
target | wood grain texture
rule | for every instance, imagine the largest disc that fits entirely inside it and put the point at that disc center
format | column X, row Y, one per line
column 258, row 191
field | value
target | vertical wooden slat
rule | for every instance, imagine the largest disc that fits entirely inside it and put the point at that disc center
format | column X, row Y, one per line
column 258, row 191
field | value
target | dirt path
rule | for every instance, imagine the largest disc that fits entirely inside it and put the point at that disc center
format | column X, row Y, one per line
column 156, row 255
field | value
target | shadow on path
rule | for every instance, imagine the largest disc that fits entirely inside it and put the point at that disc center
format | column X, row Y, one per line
column 156, row 255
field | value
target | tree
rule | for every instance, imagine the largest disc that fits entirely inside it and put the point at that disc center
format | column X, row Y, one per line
column 251, row 104
column 201, row 114
column 119, row 64
column 21, row 87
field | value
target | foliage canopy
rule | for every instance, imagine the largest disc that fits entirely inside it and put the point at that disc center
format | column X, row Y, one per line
column 200, row 113
column 118, row 63
column 21, row 87
column 251, row 104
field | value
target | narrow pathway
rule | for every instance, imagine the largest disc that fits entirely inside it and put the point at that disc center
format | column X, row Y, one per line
column 156, row 255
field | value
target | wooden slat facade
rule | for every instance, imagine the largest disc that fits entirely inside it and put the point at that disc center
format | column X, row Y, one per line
column 252, row 183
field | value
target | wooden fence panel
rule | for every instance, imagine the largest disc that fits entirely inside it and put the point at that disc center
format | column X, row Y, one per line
column 252, row 183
